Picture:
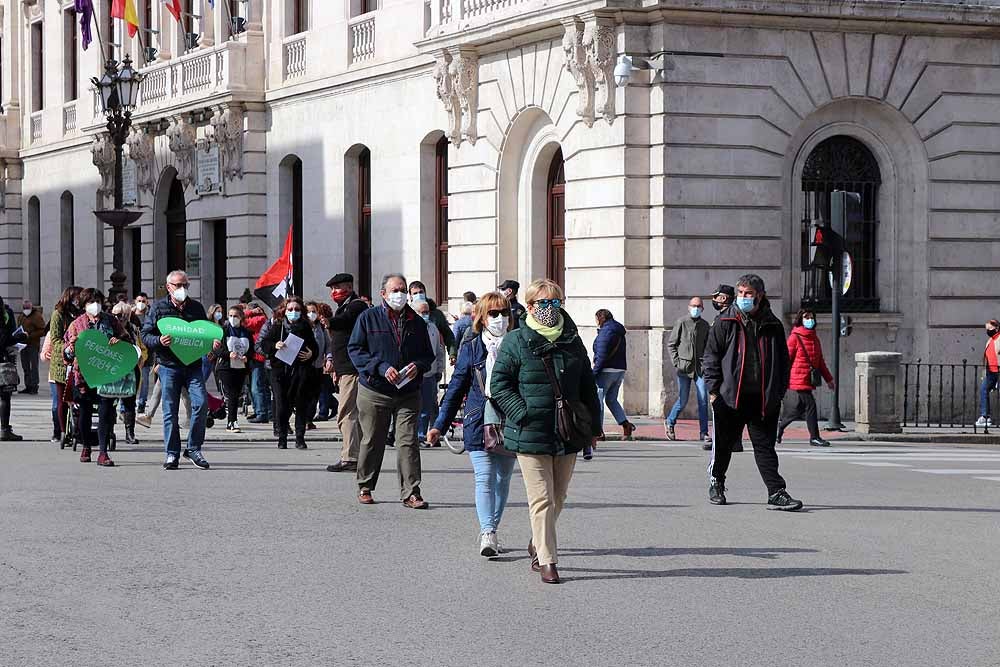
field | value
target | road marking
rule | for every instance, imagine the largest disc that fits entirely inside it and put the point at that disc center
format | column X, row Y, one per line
column 957, row 471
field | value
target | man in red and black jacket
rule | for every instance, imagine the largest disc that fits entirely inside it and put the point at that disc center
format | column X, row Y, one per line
column 746, row 373
column 254, row 319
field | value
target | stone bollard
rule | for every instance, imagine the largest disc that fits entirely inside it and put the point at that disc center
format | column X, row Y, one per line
column 878, row 385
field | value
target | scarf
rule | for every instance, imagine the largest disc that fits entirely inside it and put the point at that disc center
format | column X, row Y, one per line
column 492, row 344
column 548, row 333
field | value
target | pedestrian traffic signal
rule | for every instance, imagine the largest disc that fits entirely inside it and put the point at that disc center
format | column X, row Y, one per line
column 824, row 245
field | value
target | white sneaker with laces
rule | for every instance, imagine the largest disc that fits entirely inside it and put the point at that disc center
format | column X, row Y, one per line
column 488, row 545
column 984, row 421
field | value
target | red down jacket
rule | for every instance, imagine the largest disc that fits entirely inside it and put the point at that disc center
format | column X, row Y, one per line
column 804, row 347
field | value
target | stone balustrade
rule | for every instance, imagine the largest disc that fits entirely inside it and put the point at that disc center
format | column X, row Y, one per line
column 294, row 56
column 362, row 42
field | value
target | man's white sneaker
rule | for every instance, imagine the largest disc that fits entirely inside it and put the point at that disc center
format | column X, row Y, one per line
column 488, row 545
column 983, row 422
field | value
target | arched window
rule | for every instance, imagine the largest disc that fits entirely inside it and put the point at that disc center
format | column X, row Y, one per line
column 842, row 163
column 33, row 263
column 556, row 223
column 441, row 219
column 176, row 216
column 66, row 239
column 364, row 217
column 290, row 215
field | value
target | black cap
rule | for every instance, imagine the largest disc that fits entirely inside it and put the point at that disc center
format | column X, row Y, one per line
column 725, row 289
column 340, row 278
column 512, row 285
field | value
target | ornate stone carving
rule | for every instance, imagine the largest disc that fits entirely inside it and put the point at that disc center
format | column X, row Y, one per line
column 226, row 130
column 599, row 41
column 464, row 72
column 446, row 93
column 183, row 140
column 103, row 151
column 142, row 151
column 576, row 55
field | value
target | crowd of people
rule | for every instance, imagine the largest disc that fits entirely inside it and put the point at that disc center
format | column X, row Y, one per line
column 522, row 384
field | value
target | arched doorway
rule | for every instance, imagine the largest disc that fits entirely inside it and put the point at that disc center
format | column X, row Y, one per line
column 290, row 215
column 555, row 194
column 176, row 219
column 358, row 216
column 66, row 239
column 33, row 254
column 842, row 162
column 169, row 229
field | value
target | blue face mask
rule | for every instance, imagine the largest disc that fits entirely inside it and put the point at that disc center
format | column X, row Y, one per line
column 745, row 303
column 809, row 324
column 293, row 315
column 695, row 312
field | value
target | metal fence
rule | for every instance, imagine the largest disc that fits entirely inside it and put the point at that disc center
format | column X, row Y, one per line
column 944, row 395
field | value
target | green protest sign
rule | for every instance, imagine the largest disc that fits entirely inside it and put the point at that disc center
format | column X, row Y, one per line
column 101, row 363
column 191, row 340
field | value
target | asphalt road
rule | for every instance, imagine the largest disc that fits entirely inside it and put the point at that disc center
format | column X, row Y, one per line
column 267, row 559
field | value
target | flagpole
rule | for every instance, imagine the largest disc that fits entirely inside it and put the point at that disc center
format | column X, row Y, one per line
column 100, row 39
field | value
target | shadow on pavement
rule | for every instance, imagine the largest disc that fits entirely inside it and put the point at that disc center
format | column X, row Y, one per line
column 724, row 572
column 901, row 508
column 571, row 505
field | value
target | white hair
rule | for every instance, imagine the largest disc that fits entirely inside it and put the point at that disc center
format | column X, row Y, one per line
column 468, row 307
column 176, row 272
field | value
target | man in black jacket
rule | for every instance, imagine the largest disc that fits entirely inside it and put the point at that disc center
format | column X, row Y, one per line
column 391, row 349
column 746, row 370
column 509, row 289
column 418, row 291
column 174, row 374
column 349, row 309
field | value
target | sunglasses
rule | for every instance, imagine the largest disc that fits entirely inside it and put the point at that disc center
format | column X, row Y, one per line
column 497, row 313
column 293, row 310
column 545, row 303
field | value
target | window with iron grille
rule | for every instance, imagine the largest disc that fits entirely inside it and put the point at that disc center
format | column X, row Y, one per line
column 842, row 163
column 556, row 227
column 441, row 219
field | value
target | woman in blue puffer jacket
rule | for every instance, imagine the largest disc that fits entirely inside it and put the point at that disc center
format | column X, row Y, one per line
column 471, row 381
column 609, row 368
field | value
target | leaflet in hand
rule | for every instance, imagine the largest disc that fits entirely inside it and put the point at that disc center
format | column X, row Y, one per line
column 404, row 378
column 293, row 345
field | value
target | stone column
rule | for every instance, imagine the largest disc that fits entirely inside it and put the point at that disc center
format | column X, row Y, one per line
column 878, row 387
column 11, row 246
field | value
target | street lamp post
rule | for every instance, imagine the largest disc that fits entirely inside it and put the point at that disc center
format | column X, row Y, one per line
column 119, row 93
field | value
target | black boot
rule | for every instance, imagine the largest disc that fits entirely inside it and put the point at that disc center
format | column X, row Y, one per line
column 56, row 427
column 130, row 438
column 7, row 435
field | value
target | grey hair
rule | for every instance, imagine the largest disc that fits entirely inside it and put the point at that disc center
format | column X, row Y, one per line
column 752, row 280
column 468, row 307
column 176, row 272
column 389, row 276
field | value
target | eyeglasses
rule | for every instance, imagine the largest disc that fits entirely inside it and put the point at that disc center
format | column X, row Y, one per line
column 185, row 285
column 497, row 313
column 293, row 310
column 545, row 303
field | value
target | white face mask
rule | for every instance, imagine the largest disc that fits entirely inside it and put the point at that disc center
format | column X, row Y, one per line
column 180, row 295
column 497, row 325
column 313, row 316
column 396, row 300
column 218, row 316
column 93, row 309
column 26, row 311
column 140, row 306
column 234, row 321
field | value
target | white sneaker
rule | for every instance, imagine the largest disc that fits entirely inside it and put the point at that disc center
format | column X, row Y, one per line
column 488, row 545
column 984, row 421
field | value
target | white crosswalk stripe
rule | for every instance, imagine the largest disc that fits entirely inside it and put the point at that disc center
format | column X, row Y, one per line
column 935, row 461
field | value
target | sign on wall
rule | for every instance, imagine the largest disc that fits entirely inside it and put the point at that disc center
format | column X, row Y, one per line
column 192, row 258
column 209, row 175
column 130, row 183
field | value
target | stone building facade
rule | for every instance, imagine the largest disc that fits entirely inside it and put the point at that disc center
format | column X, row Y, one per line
column 469, row 141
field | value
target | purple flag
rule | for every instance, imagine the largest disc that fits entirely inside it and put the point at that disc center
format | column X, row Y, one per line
column 85, row 8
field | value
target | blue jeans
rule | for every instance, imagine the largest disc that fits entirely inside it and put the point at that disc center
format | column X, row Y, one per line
column 260, row 391
column 989, row 384
column 683, row 389
column 609, row 382
column 327, row 399
column 493, row 472
column 172, row 380
column 428, row 404
column 143, row 388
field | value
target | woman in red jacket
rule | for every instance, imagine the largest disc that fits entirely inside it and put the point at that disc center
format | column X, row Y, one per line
column 805, row 354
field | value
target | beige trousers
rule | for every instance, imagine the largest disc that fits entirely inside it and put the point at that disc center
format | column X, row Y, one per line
column 347, row 417
column 546, row 481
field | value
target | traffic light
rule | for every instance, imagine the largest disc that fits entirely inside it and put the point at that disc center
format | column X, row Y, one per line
column 824, row 245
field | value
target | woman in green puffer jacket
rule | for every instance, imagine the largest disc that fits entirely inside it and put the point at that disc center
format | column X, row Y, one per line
column 521, row 387
column 66, row 310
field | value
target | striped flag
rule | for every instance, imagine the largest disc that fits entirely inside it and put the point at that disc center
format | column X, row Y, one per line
column 125, row 10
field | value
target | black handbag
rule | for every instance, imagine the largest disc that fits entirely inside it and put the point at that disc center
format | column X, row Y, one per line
column 492, row 431
column 815, row 377
column 573, row 419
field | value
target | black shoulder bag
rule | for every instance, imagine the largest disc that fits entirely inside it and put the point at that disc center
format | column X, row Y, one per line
column 573, row 419
column 815, row 377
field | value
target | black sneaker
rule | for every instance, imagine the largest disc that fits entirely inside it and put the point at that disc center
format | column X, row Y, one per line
column 738, row 447
column 818, row 442
column 782, row 501
column 717, row 492
column 196, row 459
column 171, row 462
column 342, row 466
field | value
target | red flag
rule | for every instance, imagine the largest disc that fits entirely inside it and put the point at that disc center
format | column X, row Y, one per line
column 276, row 283
column 174, row 7
column 118, row 9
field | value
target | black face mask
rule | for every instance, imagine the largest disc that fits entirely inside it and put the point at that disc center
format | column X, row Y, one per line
column 991, row 332
column 717, row 305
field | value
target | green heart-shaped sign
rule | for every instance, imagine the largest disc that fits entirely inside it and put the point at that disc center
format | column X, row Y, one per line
column 191, row 340
column 101, row 363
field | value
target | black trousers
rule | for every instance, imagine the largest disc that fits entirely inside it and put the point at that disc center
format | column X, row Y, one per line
column 105, row 418
column 232, row 380
column 799, row 405
column 763, row 429
column 291, row 390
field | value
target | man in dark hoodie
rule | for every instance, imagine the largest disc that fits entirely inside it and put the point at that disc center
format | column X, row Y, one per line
column 746, row 370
